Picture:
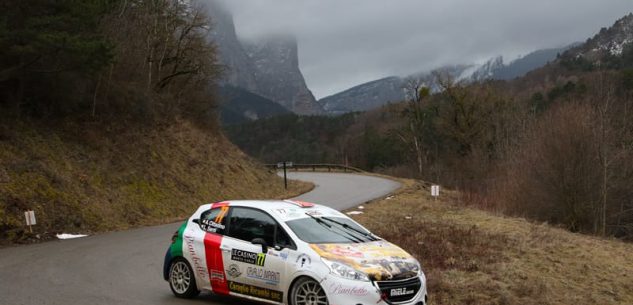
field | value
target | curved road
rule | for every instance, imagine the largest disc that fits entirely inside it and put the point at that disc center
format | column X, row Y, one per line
column 126, row 267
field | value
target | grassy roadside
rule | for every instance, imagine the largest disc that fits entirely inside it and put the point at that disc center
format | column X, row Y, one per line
column 474, row 257
column 87, row 179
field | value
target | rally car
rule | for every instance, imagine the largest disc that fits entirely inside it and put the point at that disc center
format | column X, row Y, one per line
column 289, row 252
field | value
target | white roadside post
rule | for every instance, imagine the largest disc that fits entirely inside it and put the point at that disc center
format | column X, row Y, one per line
column 30, row 219
column 435, row 191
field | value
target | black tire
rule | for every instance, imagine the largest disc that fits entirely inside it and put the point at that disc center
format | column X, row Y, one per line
column 182, row 280
column 307, row 291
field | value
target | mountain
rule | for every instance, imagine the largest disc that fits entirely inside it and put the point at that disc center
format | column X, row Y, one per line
column 240, row 106
column 365, row 96
column 376, row 93
column 269, row 68
column 608, row 44
column 239, row 70
column 277, row 73
column 495, row 68
column 379, row 92
column 521, row 66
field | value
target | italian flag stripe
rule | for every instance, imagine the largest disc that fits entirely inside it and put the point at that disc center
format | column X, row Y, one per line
column 176, row 248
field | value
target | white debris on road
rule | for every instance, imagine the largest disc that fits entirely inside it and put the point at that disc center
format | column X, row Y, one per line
column 407, row 217
column 70, row 236
column 354, row 213
column 389, row 198
column 360, row 207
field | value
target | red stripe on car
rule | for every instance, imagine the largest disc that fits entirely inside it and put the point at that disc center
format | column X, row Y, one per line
column 213, row 253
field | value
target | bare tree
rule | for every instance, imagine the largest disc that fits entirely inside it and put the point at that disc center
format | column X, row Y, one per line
column 416, row 92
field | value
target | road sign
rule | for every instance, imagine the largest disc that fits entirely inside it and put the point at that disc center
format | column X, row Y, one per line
column 288, row 164
column 30, row 219
column 280, row 165
column 435, row 190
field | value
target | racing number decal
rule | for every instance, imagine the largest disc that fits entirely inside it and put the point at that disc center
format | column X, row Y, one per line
column 220, row 217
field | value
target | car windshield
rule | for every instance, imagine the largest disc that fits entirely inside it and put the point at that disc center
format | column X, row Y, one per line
column 325, row 230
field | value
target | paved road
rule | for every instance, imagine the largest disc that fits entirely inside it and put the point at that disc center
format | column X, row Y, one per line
column 343, row 191
column 126, row 267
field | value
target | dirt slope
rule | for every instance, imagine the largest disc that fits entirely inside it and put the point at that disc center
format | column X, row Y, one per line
column 84, row 178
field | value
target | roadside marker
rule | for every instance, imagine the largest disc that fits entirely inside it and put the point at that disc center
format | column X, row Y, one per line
column 30, row 219
column 435, row 191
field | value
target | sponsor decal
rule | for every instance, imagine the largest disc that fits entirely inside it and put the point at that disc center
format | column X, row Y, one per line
column 210, row 226
column 314, row 213
column 234, row 271
column 261, row 274
column 339, row 289
column 258, row 259
column 380, row 260
column 195, row 259
column 217, row 275
column 346, row 252
column 280, row 254
column 303, row 260
column 258, row 292
column 396, row 292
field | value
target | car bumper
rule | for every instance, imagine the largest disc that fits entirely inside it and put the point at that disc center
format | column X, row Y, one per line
column 167, row 264
column 348, row 292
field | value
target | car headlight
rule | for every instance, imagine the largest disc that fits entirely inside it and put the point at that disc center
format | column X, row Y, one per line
column 417, row 267
column 345, row 271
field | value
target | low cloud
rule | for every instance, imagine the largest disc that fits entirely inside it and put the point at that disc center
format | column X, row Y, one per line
column 343, row 43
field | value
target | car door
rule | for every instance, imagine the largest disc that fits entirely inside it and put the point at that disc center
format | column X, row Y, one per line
column 249, row 270
column 207, row 239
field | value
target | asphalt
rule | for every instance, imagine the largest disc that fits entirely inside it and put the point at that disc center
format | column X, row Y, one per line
column 126, row 267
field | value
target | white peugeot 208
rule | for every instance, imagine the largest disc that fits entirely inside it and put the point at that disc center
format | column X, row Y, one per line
column 289, row 252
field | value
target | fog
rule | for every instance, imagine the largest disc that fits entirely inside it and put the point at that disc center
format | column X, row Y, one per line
column 343, row 43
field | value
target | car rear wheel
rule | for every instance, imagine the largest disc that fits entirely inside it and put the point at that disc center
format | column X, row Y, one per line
column 307, row 291
column 182, row 280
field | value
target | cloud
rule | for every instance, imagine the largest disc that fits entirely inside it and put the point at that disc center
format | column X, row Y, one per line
column 343, row 43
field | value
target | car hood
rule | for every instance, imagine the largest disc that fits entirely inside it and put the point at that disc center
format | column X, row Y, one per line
column 380, row 260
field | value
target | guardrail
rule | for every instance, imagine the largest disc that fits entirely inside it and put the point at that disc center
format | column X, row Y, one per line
column 319, row 166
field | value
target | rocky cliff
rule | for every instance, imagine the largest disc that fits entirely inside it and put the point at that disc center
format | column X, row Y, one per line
column 268, row 68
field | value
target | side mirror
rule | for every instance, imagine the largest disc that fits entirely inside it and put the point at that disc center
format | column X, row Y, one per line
column 197, row 220
column 262, row 242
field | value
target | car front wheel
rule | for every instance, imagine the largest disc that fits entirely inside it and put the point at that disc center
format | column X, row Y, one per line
column 307, row 291
column 181, row 279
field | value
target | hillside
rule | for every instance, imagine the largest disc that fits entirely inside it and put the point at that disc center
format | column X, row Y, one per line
column 108, row 122
column 92, row 178
column 475, row 257
column 240, row 106
column 553, row 145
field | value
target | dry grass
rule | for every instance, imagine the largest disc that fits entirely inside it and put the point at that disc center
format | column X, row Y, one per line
column 101, row 178
column 474, row 257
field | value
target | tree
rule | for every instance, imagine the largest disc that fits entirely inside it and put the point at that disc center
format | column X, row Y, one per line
column 43, row 39
column 412, row 134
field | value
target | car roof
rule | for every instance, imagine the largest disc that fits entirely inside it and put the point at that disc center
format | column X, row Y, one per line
column 282, row 209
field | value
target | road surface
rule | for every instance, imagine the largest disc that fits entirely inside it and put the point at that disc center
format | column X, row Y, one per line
column 126, row 267
column 343, row 191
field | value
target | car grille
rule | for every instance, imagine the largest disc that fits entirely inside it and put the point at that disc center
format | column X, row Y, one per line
column 400, row 291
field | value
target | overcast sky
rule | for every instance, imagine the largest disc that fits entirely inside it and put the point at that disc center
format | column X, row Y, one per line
column 343, row 43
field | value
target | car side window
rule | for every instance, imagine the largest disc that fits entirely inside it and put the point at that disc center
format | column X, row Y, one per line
column 214, row 220
column 282, row 239
column 248, row 224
